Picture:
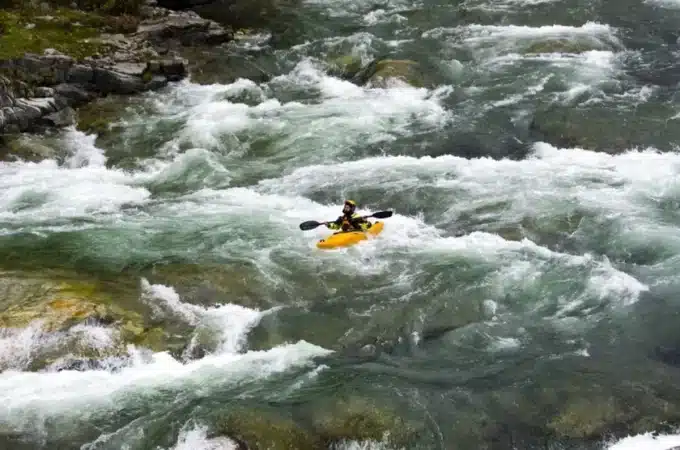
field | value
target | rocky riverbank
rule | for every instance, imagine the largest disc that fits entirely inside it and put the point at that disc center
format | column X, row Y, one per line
column 42, row 86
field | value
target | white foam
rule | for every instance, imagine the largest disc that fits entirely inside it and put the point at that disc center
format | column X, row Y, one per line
column 20, row 347
column 17, row 346
column 607, row 282
column 363, row 10
column 549, row 180
column 672, row 4
column 342, row 114
column 647, row 441
column 503, row 5
column 501, row 59
column 552, row 181
column 361, row 445
column 197, row 439
column 42, row 192
column 230, row 322
column 26, row 399
column 504, row 38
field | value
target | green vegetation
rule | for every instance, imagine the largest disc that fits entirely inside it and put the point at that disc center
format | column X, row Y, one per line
column 104, row 7
column 24, row 29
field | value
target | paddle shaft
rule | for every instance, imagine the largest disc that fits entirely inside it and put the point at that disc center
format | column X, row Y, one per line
column 311, row 224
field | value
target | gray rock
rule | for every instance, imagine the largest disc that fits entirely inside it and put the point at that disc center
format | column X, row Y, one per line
column 129, row 68
column 185, row 28
column 80, row 74
column 62, row 118
column 111, row 82
column 43, row 92
column 156, row 82
column 72, row 94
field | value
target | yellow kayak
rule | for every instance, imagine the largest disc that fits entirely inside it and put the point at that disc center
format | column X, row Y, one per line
column 347, row 238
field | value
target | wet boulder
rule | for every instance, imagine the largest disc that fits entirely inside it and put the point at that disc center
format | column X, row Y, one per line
column 604, row 129
column 382, row 73
column 563, row 46
column 68, row 315
column 255, row 429
column 358, row 419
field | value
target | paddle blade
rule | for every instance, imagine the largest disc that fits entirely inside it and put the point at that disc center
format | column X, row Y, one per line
column 381, row 214
column 309, row 225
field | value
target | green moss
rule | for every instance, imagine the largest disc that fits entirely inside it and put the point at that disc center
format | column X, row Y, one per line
column 147, row 76
column 559, row 46
column 72, row 32
column 358, row 419
column 99, row 116
column 264, row 430
column 62, row 34
column 20, row 147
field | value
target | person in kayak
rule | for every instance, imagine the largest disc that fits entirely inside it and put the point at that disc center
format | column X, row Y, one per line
column 349, row 221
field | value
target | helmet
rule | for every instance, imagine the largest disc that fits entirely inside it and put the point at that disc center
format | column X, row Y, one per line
column 350, row 206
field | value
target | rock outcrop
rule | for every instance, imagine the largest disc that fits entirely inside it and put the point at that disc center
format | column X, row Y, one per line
column 237, row 14
column 379, row 73
column 42, row 90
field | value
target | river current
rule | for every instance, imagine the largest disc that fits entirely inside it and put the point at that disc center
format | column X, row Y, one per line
column 523, row 295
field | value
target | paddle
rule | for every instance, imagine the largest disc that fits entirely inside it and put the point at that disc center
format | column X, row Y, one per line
column 311, row 224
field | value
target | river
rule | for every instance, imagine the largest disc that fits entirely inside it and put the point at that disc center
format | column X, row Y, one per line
column 523, row 295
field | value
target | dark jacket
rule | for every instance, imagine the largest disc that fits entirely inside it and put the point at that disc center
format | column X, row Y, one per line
column 353, row 223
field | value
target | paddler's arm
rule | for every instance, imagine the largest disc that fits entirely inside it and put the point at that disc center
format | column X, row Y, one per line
column 361, row 223
column 334, row 225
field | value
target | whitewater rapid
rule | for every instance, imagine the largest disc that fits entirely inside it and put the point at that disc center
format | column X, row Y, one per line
column 246, row 162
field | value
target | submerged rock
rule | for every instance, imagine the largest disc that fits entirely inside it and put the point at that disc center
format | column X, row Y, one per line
column 357, row 419
column 13, row 147
column 600, row 404
column 209, row 284
column 605, row 129
column 562, row 46
column 101, row 115
column 348, row 420
column 259, row 430
column 346, row 66
column 379, row 72
column 58, row 306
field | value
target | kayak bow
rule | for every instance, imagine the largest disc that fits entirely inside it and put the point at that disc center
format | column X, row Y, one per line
column 347, row 238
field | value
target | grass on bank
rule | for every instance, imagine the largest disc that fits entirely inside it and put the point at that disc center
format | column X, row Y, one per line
column 26, row 28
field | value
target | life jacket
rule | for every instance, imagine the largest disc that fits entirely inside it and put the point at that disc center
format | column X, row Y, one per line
column 346, row 224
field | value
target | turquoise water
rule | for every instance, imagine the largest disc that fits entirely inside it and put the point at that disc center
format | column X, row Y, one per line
column 523, row 295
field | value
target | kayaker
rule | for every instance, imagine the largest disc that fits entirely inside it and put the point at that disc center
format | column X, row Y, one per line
column 349, row 220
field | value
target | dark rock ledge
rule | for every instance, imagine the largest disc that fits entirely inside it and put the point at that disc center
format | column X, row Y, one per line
column 43, row 90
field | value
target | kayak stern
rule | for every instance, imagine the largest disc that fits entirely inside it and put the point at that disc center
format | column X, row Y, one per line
column 347, row 238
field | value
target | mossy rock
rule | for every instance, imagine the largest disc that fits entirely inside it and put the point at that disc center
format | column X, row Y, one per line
column 264, row 430
column 62, row 302
column 72, row 32
column 380, row 71
column 56, row 303
column 559, row 46
column 345, row 67
column 23, row 148
column 588, row 417
column 101, row 116
column 25, row 32
column 208, row 284
column 358, row 419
